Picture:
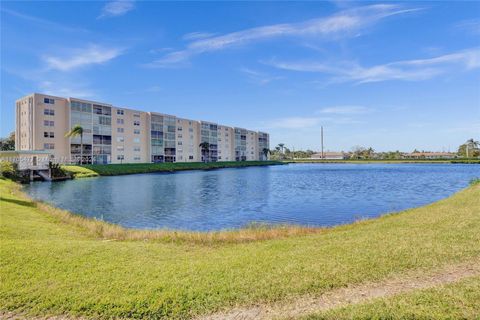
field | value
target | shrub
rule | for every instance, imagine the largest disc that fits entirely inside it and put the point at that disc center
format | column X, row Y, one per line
column 56, row 170
column 10, row 171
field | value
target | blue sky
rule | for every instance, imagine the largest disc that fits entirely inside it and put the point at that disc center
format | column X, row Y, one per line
column 382, row 74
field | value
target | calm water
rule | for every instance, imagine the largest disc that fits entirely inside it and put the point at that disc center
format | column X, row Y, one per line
column 308, row 194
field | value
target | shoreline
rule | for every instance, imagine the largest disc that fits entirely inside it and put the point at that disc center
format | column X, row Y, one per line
column 251, row 232
column 86, row 171
column 372, row 161
column 93, row 170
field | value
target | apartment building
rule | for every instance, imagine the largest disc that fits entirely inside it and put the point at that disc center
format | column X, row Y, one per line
column 113, row 134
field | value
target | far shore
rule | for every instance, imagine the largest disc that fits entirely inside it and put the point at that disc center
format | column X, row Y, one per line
column 94, row 170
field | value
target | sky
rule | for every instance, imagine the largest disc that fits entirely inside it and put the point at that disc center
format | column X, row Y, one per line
column 388, row 75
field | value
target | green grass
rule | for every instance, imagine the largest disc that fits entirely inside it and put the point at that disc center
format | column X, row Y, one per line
column 131, row 168
column 79, row 172
column 49, row 265
column 454, row 301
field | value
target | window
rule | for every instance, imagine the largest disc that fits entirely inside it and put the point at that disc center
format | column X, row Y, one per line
column 49, row 112
column 190, row 129
column 179, row 136
column 120, row 130
column 120, row 121
column 120, row 112
column 120, row 157
column 48, row 146
column 190, row 157
column 136, row 123
column 81, row 106
column 179, row 129
column 136, row 158
column 120, row 148
column 48, row 123
column 48, row 100
column 136, row 149
column 120, row 139
column 136, row 115
column 136, row 140
column 136, row 131
column 179, row 143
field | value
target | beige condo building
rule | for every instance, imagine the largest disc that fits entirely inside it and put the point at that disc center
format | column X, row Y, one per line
column 113, row 134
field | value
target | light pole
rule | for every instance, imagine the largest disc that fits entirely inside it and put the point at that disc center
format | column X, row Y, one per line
column 322, row 140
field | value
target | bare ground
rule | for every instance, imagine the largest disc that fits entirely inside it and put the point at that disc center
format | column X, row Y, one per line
column 352, row 294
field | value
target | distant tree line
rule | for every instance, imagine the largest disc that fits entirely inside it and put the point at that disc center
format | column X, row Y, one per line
column 470, row 149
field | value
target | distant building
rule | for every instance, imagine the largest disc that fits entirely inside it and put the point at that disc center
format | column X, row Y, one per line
column 113, row 134
column 430, row 155
column 328, row 155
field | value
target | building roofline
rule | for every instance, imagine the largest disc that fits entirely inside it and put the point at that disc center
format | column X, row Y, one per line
column 25, row 152
column 133, row 110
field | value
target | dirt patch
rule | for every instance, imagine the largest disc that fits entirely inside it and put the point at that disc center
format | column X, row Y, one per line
column 352, row 294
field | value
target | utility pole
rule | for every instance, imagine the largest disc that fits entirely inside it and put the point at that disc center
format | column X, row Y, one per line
column 322, row 141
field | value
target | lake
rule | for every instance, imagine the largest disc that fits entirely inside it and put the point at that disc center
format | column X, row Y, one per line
column 306, row 194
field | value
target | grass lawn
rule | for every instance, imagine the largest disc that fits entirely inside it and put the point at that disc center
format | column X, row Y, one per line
column 79, row 172
column 49, row 266
column 454, row 301
column 131, row 168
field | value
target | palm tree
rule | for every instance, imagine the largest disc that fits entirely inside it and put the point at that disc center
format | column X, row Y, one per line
column 471, row 144
column 265, row 153
column 205, row 149
column 281, row 145
column 77, row 130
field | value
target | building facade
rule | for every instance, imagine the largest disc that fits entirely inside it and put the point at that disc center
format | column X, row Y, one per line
column 119, row 135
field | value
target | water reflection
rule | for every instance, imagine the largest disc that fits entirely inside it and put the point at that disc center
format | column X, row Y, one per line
column 324, row 194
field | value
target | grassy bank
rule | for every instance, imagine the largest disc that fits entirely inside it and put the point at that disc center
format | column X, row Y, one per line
column 132, row 168
column 466, row 161
column 51, row 265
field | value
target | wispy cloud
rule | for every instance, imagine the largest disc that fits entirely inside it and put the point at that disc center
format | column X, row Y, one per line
column 92, row 54
column 117, row 8
column 197, row 35
column 345, row 110
column 471, row 26
column 260, row 78
column 344, row 23
column 409, row 70
column 43, row 23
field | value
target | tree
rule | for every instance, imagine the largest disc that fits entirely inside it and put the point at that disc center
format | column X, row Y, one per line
column 205, row 147
column 77, row 130
column 469, row 149
column 281, row 146
column 266, row 151
column 7, row 144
